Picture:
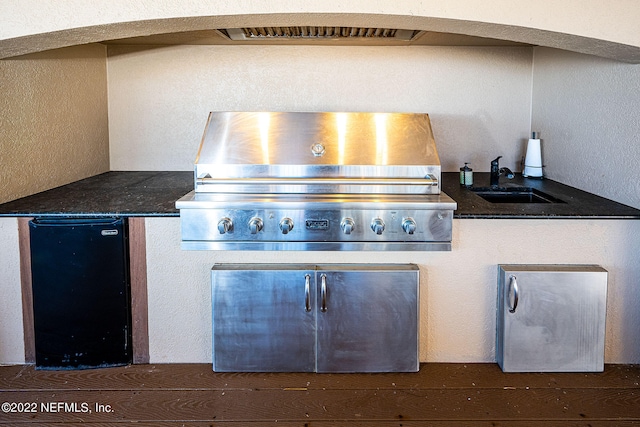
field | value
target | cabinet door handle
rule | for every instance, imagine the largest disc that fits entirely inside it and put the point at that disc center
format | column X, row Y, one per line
column 323, row 292
column 307, row 293
column 513, row 294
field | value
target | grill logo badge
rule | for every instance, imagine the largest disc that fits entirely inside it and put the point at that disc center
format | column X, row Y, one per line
column 316, row 224
column 318, row 149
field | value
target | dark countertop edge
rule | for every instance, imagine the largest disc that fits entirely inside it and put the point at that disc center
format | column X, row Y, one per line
column 89, row 214
column 525, row 217
column 177, row 215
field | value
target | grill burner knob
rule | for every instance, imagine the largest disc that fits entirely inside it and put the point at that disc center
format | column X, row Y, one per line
column 255, row 225
column 225, row 225
column 377, row 225
column 347, row 225
column 286, row 225
column 409, row 225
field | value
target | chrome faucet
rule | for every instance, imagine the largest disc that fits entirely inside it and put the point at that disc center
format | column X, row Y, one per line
column 496, row 171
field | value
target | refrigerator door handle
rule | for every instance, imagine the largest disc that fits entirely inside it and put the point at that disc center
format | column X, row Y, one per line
column 513, row 294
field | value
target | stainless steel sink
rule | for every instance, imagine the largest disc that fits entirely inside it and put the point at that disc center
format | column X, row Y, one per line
column 514, row 195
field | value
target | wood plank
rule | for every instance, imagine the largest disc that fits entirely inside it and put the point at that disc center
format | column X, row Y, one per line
column 329, row 405
column 201, row 376
column 139, row 299
column 24, row 246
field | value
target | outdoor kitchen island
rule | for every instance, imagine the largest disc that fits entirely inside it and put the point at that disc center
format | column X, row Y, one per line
column 457, row 288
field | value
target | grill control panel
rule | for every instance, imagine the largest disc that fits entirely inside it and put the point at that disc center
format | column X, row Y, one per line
column 318, row 225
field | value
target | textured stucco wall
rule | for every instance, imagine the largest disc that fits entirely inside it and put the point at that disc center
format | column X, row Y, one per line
column 159, row 99
column 587, row 111
column 458, row 288
column 54, row 120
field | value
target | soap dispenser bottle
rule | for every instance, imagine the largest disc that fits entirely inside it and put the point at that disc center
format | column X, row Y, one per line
column 466, row 176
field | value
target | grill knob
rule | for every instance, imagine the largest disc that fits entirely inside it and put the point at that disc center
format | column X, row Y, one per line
column 347, row 225
column 377, row 225
column 286, row 225
column 225, row 225
column 409, row 225
column 255, row 225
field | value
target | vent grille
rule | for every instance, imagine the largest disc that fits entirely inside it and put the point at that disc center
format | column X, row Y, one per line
column 313, row 32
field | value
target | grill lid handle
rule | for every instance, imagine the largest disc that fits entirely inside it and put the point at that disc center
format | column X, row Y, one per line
column 429, row 180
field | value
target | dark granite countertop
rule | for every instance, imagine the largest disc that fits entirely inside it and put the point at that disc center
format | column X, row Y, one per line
column 155, row 194
column 108, row 194
column 577, row 203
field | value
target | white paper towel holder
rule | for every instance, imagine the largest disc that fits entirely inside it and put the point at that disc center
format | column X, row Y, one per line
column 533, row 159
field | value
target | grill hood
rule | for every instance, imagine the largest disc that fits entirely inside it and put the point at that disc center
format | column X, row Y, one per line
column 337, row 148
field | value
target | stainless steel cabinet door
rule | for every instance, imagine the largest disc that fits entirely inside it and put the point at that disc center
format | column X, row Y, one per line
column 263, row 319
column 368, row 319
column 551, row 318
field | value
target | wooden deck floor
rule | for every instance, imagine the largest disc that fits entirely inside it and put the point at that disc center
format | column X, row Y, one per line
column 440, row 395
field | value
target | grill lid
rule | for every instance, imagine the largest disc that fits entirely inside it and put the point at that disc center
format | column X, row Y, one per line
column 318, row 153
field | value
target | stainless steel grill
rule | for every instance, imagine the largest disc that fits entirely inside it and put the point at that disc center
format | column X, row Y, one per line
column 317, row 181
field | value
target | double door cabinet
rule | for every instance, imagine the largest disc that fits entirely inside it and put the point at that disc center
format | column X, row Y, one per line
column 315, row 318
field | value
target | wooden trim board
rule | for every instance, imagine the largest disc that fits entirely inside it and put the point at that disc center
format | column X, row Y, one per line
column 138, row 277
column 24, row 246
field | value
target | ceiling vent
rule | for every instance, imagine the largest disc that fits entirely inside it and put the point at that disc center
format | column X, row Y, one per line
column 319, row 33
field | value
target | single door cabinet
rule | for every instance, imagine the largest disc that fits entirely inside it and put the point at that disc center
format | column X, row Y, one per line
column 551, row 318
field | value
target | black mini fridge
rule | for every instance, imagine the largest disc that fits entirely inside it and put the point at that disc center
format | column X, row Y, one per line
column 81, row 293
